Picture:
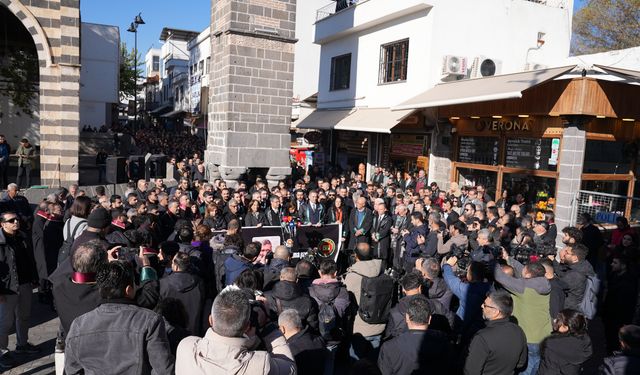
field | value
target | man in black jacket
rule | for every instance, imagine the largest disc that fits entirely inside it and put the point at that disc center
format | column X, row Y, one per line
column 360, row 223
column 137, row 338
column 287, row 294
column 573, row 271
column 187, row 288
column 307, row 348
column 78, row 294
column 626, row 361
column 381, row 234
column 18, row 276
column 412, row 288
column 501, row 347
column 418, row 350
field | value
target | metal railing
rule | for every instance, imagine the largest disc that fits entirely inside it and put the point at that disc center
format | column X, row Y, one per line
column 603, row 207
column 334, row 7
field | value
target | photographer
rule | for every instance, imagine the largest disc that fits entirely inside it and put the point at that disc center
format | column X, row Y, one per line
column 470, row 292
column 457, row 237
column 230, row 344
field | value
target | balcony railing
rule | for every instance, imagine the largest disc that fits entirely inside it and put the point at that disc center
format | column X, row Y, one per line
column 332, row 8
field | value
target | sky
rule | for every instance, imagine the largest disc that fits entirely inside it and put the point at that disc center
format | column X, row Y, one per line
column 186, row 14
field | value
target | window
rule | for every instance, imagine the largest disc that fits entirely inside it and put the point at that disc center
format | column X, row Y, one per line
column 340, row 72
column 208, row 65
column 156, row 63
column 393, row 61
column 608, row 157
column 201, row 66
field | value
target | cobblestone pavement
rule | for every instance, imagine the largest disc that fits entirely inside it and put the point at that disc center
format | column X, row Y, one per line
column 44, row 327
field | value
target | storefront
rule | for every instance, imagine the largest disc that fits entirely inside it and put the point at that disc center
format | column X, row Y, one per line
column 566, row 139
column 519, row 155
column 372, row 136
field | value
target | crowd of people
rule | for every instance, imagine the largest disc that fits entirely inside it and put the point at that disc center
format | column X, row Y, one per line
column 181, row 144
column 429, row 280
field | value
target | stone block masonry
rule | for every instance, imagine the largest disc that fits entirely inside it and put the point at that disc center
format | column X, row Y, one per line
column 252, row 48
column 55, row 28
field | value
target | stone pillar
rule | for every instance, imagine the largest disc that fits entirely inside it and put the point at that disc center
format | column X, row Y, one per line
column 570, row 170
column 55, row 28
column 251, row 81
column 440, row 157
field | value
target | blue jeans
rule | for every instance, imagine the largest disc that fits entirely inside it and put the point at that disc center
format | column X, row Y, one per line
column 364, row 347
column 533, row 359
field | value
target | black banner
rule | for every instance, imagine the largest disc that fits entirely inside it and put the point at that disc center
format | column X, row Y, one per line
column 304, row 237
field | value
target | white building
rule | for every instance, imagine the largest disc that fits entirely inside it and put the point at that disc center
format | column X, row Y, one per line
column 174, row 74
column 378, row 53
column 307, row 60
column 199, row 62
column 99, row 75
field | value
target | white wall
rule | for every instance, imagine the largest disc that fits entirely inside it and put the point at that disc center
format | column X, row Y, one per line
column 148, row 62
column 307, row 54
column 625, row 58
column 99, row 74
column 499, row 29
column 199, row 50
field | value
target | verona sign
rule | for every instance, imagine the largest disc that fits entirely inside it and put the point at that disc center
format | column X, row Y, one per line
column 504, row 125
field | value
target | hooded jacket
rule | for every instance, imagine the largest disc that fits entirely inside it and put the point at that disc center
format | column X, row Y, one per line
column 563, row 354
column 233, row 267
column 330, row 290
column 353, row 282
column 288, row 295
column 218, row 355
column 272, row 272
column 530, row 303
column 624, row 362
column 188, row 289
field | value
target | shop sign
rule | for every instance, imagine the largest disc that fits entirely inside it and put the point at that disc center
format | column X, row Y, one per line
column 504, row 125
column 555, row 149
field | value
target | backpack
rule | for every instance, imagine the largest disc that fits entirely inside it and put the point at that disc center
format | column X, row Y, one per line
column 65, row 249
column 376, row 295
column 589, row 304
column 328, row 325
column 218, row 263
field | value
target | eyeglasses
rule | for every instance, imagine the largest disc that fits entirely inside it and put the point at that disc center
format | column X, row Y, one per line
column 13, row 220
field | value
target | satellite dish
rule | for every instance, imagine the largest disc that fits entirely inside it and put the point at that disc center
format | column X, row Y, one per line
column 488, row 68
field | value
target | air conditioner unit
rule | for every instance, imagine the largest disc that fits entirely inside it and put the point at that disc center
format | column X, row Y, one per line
column 485, row 67
column 535, row 66
column 454, row 65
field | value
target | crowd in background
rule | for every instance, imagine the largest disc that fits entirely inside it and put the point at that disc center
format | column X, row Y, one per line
column 429, row 279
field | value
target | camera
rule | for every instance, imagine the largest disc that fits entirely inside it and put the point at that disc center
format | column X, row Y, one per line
column 128, row 253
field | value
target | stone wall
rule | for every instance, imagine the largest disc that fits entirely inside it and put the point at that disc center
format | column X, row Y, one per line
column 55, row 28
column 251, row 87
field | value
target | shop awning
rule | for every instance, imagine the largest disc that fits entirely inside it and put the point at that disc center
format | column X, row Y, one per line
column 175, row 113
column 162, row 109
column 375, row 120
column 508, row 86
column 323, row 119
column 627, row 73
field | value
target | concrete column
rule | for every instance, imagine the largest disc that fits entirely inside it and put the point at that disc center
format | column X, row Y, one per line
column 251, row 80
column 570, row 170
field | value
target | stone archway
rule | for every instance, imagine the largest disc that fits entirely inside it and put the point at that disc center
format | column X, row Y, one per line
column 55, row 28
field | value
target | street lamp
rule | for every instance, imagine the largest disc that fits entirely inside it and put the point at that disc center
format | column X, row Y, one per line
column 134, row 29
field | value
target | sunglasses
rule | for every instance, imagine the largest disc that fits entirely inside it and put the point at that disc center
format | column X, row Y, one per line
column 12, row 220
